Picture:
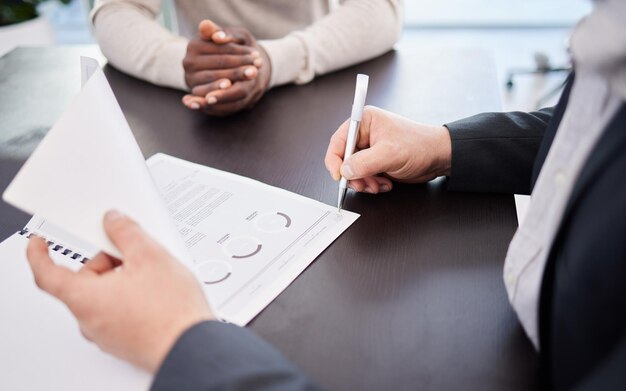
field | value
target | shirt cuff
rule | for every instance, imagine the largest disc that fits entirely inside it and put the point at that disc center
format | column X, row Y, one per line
column 289, row 60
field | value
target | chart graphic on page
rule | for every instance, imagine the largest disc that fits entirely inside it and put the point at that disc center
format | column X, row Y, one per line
column 240, row 242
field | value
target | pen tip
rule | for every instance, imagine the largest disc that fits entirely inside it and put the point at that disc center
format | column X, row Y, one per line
column 340, row 197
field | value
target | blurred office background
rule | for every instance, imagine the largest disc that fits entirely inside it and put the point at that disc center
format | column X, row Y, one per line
column 522, row 35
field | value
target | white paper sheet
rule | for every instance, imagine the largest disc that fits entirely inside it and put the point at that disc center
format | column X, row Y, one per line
column 246, row 241
column 41, row 347
column 249, row 240
column 89, row 163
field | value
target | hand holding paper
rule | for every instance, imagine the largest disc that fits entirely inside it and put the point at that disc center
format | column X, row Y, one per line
column 109, row 300
column 89, row 163
column 243, row 241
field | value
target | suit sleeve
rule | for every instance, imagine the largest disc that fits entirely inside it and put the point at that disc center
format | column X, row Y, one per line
column 213, row 355
column 495, row 152
column 610, row 374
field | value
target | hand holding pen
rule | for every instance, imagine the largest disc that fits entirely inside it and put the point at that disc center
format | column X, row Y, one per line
column 388, row 148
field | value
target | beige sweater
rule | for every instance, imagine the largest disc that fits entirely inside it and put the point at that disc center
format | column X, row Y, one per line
column 303, row 38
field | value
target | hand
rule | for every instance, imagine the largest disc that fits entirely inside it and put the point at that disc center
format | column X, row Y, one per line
column 226, row 70
column 389, row 146
column 134, row 309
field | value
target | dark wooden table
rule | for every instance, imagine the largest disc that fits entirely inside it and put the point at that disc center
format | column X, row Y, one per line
column 411, row 296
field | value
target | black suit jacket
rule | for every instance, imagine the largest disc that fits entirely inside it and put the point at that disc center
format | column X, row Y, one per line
column 583, row 295
column 582, row 316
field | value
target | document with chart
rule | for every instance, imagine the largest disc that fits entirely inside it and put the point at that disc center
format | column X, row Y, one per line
column 245, row 241
column 248, row 240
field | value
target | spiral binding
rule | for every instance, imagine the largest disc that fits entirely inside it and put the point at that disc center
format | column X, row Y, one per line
column 56, row 247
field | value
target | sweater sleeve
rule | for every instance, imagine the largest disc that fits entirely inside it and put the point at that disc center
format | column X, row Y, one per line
column 495, row 152
column 134, row 42
column 356, row 31
column 219, row 356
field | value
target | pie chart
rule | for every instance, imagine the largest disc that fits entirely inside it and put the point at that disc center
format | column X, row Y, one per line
column 273, row 222
column 240, row 247
column 214, row 271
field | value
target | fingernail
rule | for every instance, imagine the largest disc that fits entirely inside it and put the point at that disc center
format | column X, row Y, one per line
column 368, row 190
column 224, row 84
column 220, row 35
column 255, row 53
column 350, row 186
column 346, row 171
column 249, row 72
column 194, row 106
column 384, row 188
column 258, row 62
column 112, row 216
column 211, row 100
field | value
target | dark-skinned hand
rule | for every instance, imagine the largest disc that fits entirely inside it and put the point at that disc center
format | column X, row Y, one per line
column 226, row 70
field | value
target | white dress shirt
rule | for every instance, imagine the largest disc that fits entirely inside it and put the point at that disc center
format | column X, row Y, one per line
column 302, row 38
column 599, row 90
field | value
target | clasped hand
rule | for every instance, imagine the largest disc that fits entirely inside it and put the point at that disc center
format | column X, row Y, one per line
column 135, row 308
column 225, row 69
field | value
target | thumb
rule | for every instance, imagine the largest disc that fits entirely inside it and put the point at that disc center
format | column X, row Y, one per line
column 126, row 235
column 211, row 31
column 367, row 162
column 239, row 35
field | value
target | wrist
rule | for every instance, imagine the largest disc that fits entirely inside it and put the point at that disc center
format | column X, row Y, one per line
column 266, row 72
column 444, row 151
column 163, row 343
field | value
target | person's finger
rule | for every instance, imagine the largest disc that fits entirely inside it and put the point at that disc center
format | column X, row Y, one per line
column 357, row 185
column 371, row 185
column 86, row 334
column 128, row 237
column 368, row 162
column 209, row 48
column 99, row 264
column 238, row 91
column 365, row 128
column 51, row 278
column 204, row 89
column 247, row 72
column 240, row 35
column 336, row 150
column 224, row 109
column 384, row 184
column 222, row 61
column 193, row 102
column 211, row 31
column 208, row 28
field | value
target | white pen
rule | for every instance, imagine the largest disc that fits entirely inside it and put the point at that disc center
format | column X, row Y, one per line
column 355, row 120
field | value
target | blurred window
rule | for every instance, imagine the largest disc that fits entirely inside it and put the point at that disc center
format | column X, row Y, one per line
column 494, row 13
